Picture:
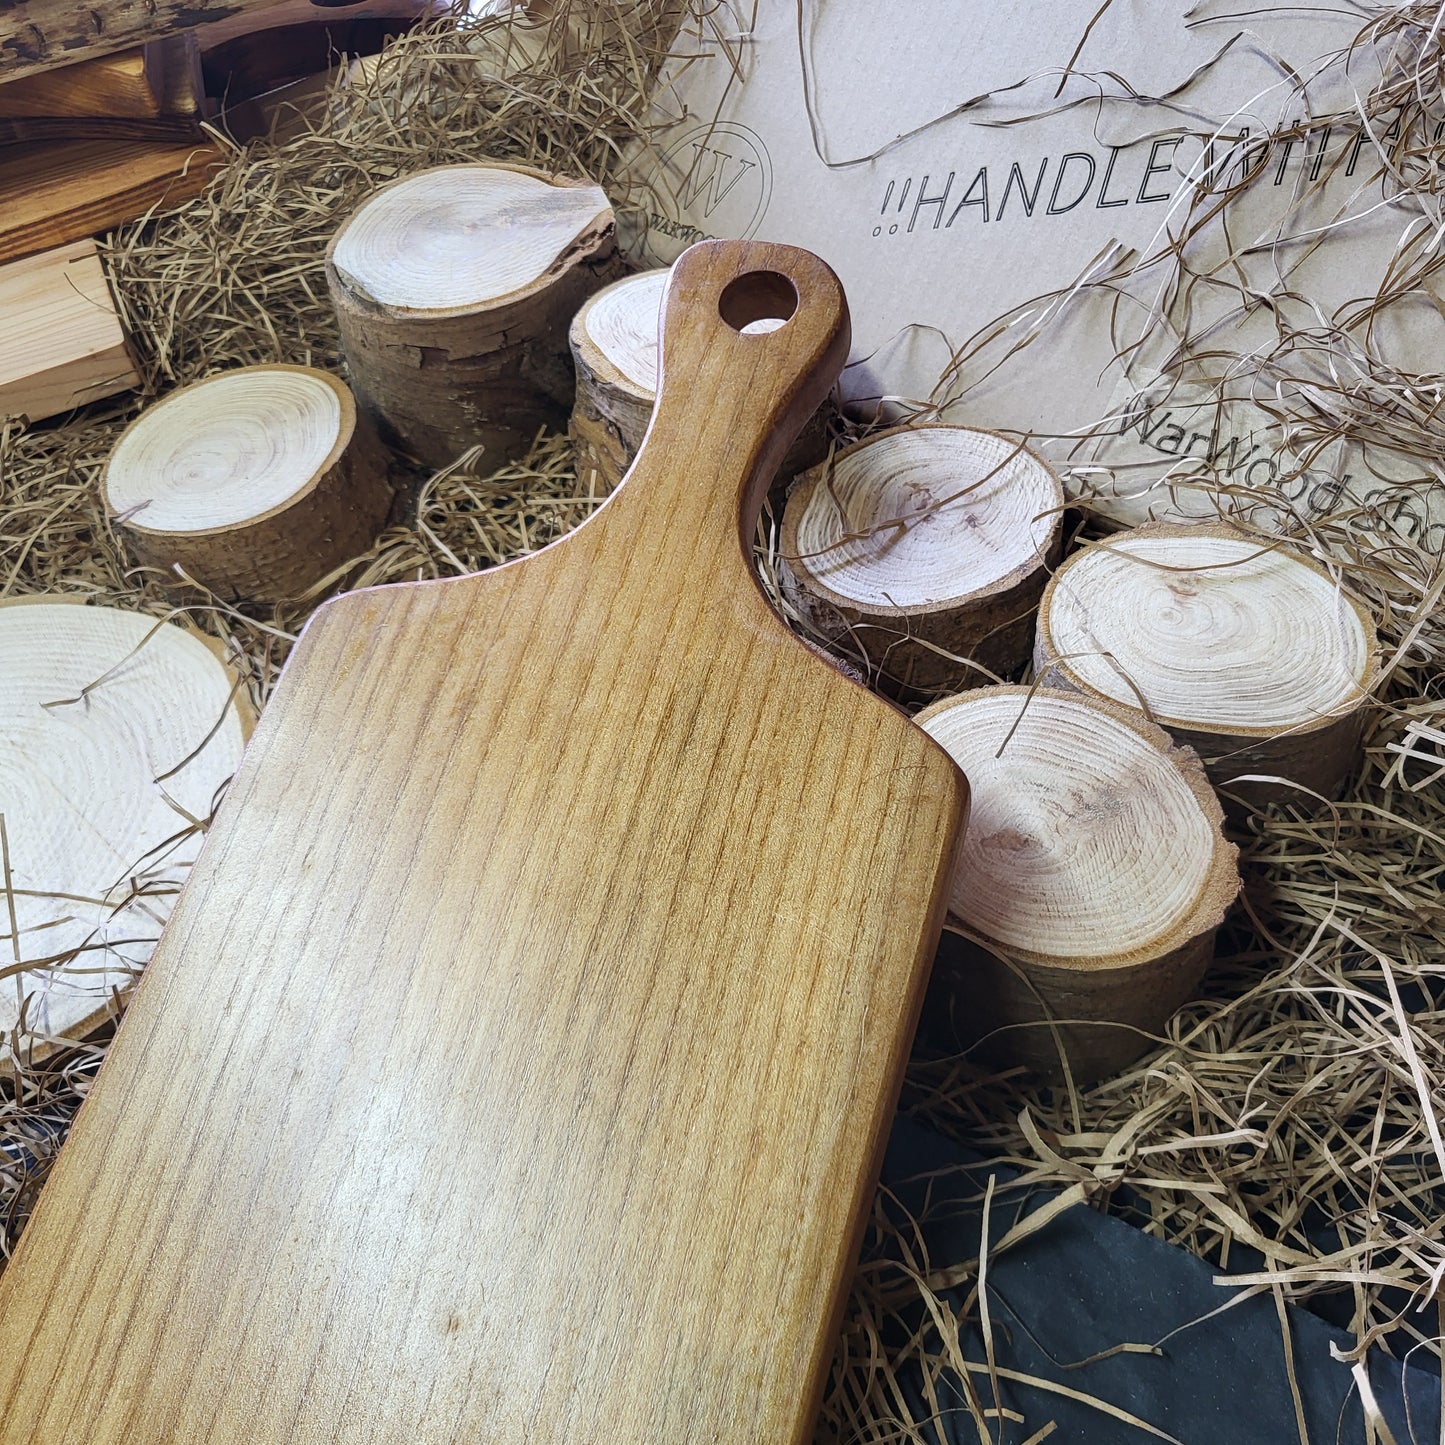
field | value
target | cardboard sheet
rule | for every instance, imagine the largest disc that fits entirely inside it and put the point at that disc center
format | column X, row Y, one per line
column 1005, row 190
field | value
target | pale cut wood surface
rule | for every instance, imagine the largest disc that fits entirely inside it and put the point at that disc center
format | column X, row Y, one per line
column 927, row 548
column 61, row 342
column 464, row 236
column 516, row 1064
column 1249, row 651
column 60, row 191
column 114, row 726
column 227, row 449
column 498, row 258
column 1092, row 881
column 39, row 35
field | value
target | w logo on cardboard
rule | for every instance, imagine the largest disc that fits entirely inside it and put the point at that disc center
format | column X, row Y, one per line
column 707, row 178
column 722, row 178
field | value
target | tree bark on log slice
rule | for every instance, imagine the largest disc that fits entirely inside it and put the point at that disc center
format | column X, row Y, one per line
column 454, row 289
column 115, row 732
column 258, row 482
column 614, row 352
column 924, row 548
column 1093, row 876
column 1247, row 651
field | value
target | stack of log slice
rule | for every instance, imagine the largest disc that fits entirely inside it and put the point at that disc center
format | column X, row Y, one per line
column 1240, row 646
column 1093, row 876
column 454, row 289
column 925, row 550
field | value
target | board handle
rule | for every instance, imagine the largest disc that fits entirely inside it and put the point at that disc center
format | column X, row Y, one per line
column 752, row 337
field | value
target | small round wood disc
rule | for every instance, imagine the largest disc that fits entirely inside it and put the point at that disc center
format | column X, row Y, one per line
column 618, row 326
column 1215, row 630
column 1088, row 842
column 229, row 449
column 84, row 789
column 926, row 516
column 459, row 237
column 620, row 323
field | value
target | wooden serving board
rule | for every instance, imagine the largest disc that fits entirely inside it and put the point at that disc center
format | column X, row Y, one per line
column 516, row 1063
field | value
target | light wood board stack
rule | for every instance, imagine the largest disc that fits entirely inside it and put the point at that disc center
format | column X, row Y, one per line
column 1093, row 877
column 115, row 731
column 258, row 482
column 925, row 548
column 61, row 342
column 614, row 351
column 1241, row 647
column 454, row 289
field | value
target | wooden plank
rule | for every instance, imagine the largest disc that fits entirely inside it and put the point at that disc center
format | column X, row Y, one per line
column 111, row 85
column 61, row 342
column 516, row 1064
column 148, row 93
column 60, row 191
column 37, row 35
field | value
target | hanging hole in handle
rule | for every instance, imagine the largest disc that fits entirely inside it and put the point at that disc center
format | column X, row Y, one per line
column 758, row 301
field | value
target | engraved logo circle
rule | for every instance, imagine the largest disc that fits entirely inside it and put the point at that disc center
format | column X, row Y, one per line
column 721, row 179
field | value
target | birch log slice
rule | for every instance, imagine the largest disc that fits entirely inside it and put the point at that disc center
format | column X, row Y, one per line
column 925, row 547
column 1093, row 876
column 115, row 733
column 257, row 482
column 1248, row 652
column 614, row 353
column 453, row 290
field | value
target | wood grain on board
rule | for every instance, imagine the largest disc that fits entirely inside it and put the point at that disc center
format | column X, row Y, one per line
column 60, row 191
column 61, row 342
column 516, row 1064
